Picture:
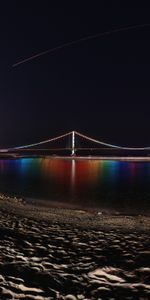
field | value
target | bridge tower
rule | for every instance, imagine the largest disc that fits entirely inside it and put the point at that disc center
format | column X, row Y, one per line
column 73, row 144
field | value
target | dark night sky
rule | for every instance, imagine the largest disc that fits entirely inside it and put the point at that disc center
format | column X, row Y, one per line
column 100, row 87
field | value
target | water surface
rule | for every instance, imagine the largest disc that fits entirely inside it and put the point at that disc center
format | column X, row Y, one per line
column 107, row 185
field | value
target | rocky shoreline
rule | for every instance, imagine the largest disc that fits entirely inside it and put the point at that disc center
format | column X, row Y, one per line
column 51, row 253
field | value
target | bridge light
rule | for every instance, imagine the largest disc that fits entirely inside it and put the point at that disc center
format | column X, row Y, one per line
column 73, row 143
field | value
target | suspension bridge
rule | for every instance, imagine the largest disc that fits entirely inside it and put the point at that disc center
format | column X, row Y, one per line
column 74, row 143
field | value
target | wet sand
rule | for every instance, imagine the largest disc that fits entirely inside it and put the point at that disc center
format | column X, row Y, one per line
column 51, row 253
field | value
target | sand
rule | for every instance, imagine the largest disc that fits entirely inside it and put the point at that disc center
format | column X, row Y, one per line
column 52, row 253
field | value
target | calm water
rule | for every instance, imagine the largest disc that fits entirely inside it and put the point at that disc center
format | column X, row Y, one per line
column 113, row 185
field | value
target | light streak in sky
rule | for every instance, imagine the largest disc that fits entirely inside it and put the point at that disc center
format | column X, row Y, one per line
column 74, row 42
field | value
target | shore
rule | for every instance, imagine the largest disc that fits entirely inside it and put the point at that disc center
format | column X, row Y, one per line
column 57, row 253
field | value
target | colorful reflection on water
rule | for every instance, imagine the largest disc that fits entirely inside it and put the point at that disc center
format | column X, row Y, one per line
column 88, row 183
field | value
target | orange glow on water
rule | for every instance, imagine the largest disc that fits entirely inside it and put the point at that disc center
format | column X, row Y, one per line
column 56, row 169
column 83, row 182
column 78, row 173
column 86, row 173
